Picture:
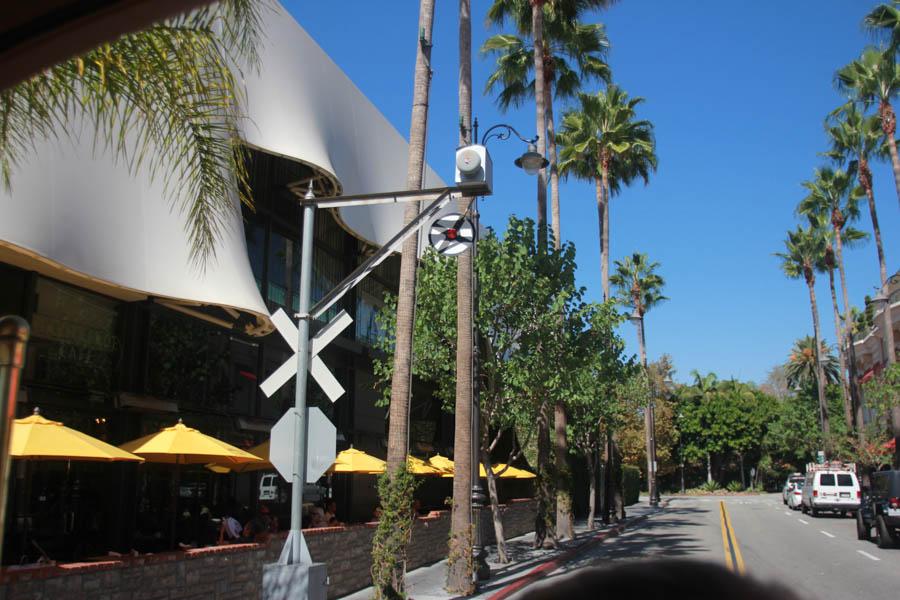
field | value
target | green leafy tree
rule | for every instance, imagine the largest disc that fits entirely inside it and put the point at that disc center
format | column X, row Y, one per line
column 524, row 295
column 557, row 38
column 594, row 378
column 167, row 98
column 722, row 418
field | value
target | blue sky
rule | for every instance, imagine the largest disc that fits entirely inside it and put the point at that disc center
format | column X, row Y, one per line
column 737, row 93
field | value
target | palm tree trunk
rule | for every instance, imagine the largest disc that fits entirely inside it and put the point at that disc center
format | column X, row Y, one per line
column 553, row 168
column 820, row 376
column 889, row 127
column 401, row 378
column 537, row 27
column 565, row 523
column 865, row 179
column 604, row 232
column 848, row 324
column 648, row 418
column 459, row 579
column 845, row 392
column 604, row 265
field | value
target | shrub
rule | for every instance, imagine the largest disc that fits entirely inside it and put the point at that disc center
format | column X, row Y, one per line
column 734, row 486
column 632, row 484
column 710, row 486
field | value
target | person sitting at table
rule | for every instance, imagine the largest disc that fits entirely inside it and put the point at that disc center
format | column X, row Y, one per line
column 317, row 518
column 230, row 531
column 331, row 515
column 259, row 527
column 183, row 531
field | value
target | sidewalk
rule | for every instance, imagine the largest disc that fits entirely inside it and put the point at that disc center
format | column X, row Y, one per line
column 525, row 567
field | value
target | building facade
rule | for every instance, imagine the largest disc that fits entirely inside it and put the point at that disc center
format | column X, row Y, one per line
column 128, row 336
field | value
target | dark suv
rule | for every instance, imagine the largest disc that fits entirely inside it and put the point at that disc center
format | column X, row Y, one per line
column 880, row 507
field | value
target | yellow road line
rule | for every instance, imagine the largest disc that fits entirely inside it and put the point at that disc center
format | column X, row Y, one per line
column 733, row 558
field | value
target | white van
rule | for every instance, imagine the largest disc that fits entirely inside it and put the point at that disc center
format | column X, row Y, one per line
column 831, row 486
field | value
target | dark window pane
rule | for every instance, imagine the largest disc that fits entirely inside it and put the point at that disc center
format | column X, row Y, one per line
column 845, row 479
column 826, row 479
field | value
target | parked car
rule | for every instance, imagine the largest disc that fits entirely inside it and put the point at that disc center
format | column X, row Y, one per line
column 795, row 496
column 787, row 488
column 830, row 487
column 880, row 507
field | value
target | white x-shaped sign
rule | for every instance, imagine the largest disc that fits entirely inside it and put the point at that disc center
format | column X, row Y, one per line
column 317, row 368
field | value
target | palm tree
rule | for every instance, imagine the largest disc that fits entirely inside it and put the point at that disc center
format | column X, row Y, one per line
column 875, row 77
column 601, row 135
column 573, row 54
column 567, row 12
column 586, row 45
column 883, row 21
column 850, row 236
column 805, row 254
column 703, row 389
column 854, row 139
column 832, row 196
column 168, row 96
column 640, row 289
column 459, row 580
column 401, row 377
column 528, row 15
column 801, row 366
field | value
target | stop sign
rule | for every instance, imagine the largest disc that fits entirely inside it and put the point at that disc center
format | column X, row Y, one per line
column 320, row 444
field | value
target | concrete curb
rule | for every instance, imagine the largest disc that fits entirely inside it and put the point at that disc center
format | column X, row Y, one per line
column 553, row 564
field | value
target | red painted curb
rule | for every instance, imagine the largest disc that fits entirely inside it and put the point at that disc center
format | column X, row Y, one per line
column 553, row 564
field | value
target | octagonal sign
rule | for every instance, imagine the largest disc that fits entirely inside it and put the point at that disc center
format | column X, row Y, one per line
column 320, row 444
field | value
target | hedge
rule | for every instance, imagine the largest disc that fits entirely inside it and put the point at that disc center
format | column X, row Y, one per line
column 632, row 477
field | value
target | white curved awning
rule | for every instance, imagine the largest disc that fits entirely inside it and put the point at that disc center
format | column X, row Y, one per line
column 76, row 216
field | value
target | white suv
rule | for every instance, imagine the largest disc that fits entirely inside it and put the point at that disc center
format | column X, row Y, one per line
column 831, row 487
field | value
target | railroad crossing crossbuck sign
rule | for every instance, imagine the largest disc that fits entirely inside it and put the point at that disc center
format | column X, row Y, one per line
column 317, row 367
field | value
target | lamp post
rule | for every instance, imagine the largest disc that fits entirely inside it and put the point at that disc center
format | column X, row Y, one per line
column 637, row 318
column 531, row 162
column 882, row 301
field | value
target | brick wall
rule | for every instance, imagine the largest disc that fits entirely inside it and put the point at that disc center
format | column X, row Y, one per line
column 235, row 571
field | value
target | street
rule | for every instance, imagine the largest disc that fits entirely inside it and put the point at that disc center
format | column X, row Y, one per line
column 816, row 557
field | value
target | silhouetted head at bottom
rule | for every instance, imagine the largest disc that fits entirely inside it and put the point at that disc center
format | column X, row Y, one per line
column 658, row 579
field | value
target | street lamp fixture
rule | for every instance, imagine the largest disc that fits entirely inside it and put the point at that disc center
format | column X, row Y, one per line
column 636, row 318
column 531, row 162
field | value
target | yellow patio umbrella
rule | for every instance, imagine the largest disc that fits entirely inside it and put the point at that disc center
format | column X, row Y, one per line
column 443, row 463
column 356, row 461
column 260, row 450
column 37, row 438
column 181, row 445
column 184, row 445
column 417, row 466
column 511, row 472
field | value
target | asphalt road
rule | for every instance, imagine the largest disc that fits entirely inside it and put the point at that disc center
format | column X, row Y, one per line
column 816, row 557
